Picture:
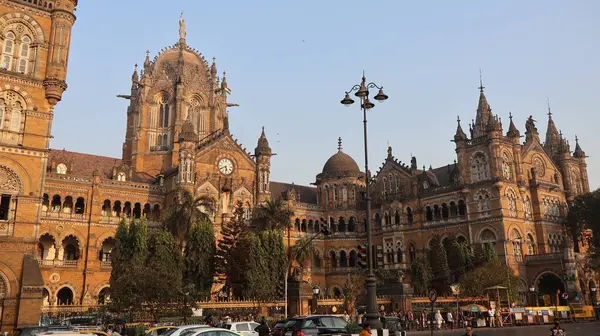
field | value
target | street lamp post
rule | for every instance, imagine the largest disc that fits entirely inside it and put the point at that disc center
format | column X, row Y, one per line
column 315, row 299
column 362, row 92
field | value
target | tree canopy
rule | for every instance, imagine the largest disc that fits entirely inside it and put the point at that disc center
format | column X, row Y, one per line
column 272, row 214
column 583, row 218
column 199, row 256
column 493, row 273
column 187, row 209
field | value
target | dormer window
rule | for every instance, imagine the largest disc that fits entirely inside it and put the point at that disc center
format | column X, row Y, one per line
column 425, row 185
column 121, row 176
column 61, row 169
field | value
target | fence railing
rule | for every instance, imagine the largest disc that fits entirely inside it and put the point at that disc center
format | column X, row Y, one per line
column 58, row 263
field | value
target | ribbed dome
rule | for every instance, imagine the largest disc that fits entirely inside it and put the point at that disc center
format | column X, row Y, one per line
column 340, row 162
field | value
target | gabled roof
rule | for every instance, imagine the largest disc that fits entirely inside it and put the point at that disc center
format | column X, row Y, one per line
column 307, row 194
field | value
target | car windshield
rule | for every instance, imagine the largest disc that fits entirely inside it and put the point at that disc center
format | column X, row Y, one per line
column 324, row 322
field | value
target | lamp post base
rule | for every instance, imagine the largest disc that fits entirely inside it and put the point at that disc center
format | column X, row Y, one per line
column 372, row 314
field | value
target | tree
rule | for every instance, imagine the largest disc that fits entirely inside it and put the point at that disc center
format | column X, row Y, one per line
column 421, row 274
column 354, row 290
column 584, row 216
column 272, row 214
column 230, row 233
column 164, row 271
column 493, row 273
column 455, row 262
column 182, row 215
column 128, row 274
column 199, row 255
column 302, row 250
column 275, row 260
column 439, row 264
column 248, row 279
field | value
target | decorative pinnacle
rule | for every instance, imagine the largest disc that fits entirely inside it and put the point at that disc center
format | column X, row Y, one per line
column 481, row 87
column 458, row 119
column 339, row 144
column 576, row 140
column 214, row 59
column 510, row 115
column 148, row 52
column 549, row 111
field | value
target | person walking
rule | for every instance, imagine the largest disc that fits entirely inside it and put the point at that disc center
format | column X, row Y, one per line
column 450, row 319
column 438, row 320
column 263, row 328
column 366, row 331
column 469, row 331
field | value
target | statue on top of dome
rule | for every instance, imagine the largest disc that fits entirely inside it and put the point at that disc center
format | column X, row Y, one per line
column 181, row 26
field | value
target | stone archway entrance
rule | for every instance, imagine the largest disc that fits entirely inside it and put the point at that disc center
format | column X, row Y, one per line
column 549, row 286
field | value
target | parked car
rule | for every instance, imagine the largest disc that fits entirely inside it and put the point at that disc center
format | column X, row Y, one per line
column 314, row 325
column 244, row 328
column 214, row 332
column 185, row 330
column 33, row 331
column 278, row 328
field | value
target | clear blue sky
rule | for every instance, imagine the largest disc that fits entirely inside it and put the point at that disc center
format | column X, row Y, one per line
column 288, row 64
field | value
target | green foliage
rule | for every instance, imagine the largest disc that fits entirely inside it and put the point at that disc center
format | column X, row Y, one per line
column 230, row 233
column 182, row 215
column 421, row 274
column 353, row 328
column 273, row 214
column 439, row 264
column 493, row 273
column 260, row 265
column 163, row 271
column 303, row 250
column 128, row 266
column 584, row 214
column 199, row 254
column 465, row 254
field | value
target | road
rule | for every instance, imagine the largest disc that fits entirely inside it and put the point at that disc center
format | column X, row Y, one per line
column 572, row 329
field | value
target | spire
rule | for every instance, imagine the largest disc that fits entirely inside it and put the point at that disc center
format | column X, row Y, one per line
column 460, row 134
column 134, row 77
column 224, row 83
column 578, row 153
column 512, row 129
column 484, row 112
column 339, row 144
column 553, row 138
column 213, row 68
column 262, row 147
column 147, row 62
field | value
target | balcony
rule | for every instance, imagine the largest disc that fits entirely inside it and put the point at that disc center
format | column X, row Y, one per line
column 105, row 264
column 58, row 263
column 63, row 215
column 546, row 258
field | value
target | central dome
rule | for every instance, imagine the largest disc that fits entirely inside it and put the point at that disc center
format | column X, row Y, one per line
column 340, row 162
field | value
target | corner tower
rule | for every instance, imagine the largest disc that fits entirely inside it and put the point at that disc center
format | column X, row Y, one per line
column 263, row 154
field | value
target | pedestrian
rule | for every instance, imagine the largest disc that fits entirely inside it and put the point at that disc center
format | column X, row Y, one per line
column 263, row 328
column 499, row 322
column 438, row 320
column 346, row 316
column 557, row 330
column 410, row 319
column 469, row 331
column 491, row 318
column 450, row 319
column 366, row 331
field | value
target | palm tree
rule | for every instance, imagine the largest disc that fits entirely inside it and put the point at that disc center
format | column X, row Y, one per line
column 186, row 211
column 272, row 214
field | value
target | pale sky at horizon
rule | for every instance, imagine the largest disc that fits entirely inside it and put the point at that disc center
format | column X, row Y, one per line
column 289, row 63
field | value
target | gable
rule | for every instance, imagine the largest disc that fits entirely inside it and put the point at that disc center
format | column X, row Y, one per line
column 534, row 156
column 224, row 143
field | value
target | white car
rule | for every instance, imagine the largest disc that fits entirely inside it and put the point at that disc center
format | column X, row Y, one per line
column 185, row 329
column 214, row 332
column 244, row 328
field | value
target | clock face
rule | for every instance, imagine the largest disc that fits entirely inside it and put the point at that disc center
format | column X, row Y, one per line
column 225, row 166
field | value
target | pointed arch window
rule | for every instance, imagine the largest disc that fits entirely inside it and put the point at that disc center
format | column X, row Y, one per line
column 24, row 55
column 484, row 203
column 15, row 118
column 506, row 167
column 121, row 176
column 2, row 112
column 479, row 167
column 61, row 169
column 7, row 50
column 512, row 203
column 163, row 107
column 527, row 208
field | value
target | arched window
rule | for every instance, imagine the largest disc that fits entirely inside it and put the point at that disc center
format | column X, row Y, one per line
column 453, row 209
column 7, row 50
column 487, row 236
column 437, row 212
column 15, row 118
column 80, row 205
column 517, row 242
column 527, row 208
column 409, row 216
column 462, row 208
column 343, row 259
column 412, row 253
column 378, row 223
column 333, row 259
column 506, row 167
column 531, row 249
column 106, row 208
column 399, row 252
column 163, row 108
column 342, row 224
column 484, row 203
column 317, row 259
column 512, row 202
column 24, row 55
column 445, row 211
column 61, row 169
column 479, row 168
column 121, row 176
column 428, row 214
column 2, row 112
column 352, row 260
column 397, row 218
column 352, row 224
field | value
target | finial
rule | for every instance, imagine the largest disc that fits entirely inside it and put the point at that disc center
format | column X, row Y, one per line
column 214, row 59
column 148, row 52
column 458, row 119
column 363, row 77
column 339, row 144
column 576, row 140
column 181, row 27
column 549, row 111
column 481, row 87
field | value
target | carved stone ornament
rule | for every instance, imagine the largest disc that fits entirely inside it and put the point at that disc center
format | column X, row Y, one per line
column 54, row 277
column 539, row 167
column 9, row 180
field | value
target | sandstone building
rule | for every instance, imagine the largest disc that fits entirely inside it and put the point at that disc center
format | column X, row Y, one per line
column 59, row 209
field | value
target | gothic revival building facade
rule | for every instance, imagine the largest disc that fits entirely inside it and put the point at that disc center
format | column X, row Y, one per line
column 59, row 210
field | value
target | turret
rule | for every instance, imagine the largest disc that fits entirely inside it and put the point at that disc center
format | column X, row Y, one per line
column 553, row 138
column 460, row 137
column 58, row 50
column 515, row 136
column 263, row 154
column 484, row 113
column 513, row 132
column 579, row 154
